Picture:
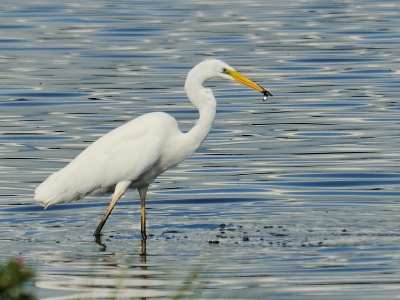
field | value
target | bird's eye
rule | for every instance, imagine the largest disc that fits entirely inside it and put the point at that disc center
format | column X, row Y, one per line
column 224, row 70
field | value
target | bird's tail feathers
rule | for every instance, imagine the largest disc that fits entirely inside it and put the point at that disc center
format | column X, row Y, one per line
column 51, row 192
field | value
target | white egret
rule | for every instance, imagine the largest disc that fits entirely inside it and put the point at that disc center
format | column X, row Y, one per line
column 134, row 154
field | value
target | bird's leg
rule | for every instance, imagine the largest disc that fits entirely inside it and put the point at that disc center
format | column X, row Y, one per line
column 120, row 189
column 108, row 211
column 142, row 193
column 144, row 259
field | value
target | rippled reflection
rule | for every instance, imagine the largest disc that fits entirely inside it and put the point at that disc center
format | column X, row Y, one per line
column 293, row 198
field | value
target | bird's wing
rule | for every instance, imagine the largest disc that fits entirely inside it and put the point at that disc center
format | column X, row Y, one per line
column 125, row 160
column 117, row 156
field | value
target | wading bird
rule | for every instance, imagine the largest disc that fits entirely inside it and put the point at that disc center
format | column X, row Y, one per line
column 134, row 154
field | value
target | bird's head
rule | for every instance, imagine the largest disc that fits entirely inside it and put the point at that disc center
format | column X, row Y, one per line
column 223, row 70
column 216, row 68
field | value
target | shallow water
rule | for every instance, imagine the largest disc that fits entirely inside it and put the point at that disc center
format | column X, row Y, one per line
column 295, row 198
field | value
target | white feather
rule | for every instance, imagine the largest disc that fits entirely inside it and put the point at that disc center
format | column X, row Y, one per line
column 135, row 152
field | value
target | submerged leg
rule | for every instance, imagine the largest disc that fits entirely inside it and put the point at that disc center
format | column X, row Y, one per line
column 120, row 189
column 142, row 193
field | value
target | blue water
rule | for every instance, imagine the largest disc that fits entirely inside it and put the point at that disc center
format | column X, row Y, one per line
column 294, row 198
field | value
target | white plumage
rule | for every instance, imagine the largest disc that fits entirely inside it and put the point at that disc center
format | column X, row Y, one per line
column 134, row 154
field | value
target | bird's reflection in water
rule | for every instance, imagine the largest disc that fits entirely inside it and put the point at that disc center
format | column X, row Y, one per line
column 144, row 260
column 103, row 246
column 143, row 256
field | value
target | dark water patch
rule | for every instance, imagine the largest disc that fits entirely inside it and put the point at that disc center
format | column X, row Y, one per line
column 121, row 56
column 33, row 137
column 216, row 191
column 349, row 175
column 336, row 60
column 225, row 40
column 12, row 41
column 44, row 48
column 335, row 183
column 321, row 134
column 372, row 194
column 16, row 27
column 44, row 95
column 30, row 103
column 131, row 32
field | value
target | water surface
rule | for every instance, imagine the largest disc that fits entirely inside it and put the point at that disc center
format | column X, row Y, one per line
column 295, row 198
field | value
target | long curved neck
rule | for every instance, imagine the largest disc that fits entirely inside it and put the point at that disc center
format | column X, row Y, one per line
column 205, row 102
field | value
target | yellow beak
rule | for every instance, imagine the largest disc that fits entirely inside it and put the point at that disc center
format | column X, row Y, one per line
column 246, row 81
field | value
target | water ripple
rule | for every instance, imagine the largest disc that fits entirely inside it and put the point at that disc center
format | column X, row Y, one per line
column 292, row 198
